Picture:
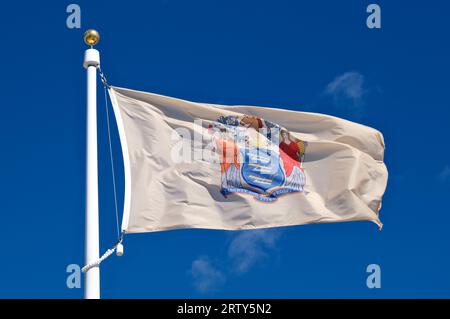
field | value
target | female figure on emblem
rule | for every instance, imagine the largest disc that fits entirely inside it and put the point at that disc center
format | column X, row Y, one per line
column 228, row 152
column 292, row 151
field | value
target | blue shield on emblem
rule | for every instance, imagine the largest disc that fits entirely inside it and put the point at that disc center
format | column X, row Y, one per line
column 261, row 169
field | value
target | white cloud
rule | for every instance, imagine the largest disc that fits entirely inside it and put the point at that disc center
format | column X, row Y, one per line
column 348, row 85
column 246, row 249
column 445, row 173
column 206, row 277
column 249, row 247
column 347, row 91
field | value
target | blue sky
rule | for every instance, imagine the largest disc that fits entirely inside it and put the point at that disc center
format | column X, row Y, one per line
column 303, row 55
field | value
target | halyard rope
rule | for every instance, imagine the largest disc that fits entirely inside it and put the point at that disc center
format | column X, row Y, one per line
column 108, row 253
column 105, row 86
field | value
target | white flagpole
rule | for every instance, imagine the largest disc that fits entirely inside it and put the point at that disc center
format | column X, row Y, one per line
column 91, row 62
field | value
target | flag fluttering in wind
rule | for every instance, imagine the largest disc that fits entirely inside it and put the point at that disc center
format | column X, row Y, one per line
column 197, row 165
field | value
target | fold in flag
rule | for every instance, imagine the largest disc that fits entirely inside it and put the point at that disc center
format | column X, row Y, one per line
column 197, row 165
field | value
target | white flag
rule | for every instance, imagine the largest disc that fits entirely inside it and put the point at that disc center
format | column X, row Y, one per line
column 197, row 165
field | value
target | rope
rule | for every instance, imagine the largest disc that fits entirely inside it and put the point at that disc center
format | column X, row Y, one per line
column 108, row 253
column 105, row 86
column 102, row 77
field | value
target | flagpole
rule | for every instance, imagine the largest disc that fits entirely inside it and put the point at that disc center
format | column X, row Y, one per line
column 91, row 62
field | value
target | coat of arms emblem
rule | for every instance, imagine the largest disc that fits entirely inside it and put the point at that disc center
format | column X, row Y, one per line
column 258, row 157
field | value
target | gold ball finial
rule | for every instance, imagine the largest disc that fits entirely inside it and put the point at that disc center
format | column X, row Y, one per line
column 91, row 37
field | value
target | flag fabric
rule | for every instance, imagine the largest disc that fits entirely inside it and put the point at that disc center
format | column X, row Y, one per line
column 197, row 165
